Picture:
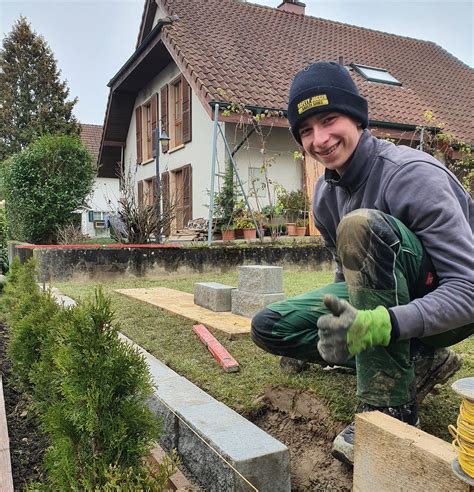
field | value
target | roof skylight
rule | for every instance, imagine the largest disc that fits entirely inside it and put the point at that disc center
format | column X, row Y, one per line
column 373, row 74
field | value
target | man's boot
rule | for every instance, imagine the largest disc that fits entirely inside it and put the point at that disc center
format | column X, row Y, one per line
column 343, row 445
column 293, row 366
column 432, row 367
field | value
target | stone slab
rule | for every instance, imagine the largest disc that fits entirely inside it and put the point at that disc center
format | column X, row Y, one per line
column 261, row 279
column 207, row 434
column 213, row 296
column 248, row 303
column 182, row 303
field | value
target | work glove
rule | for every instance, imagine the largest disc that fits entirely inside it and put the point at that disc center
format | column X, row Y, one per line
column 348, row 331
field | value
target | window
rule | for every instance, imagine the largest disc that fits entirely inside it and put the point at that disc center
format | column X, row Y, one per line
column 376, row 74
column 145, row 120
column 177, row 115
column 176, row 112
column 147, row 147
column 146, row 192
column 96, row 216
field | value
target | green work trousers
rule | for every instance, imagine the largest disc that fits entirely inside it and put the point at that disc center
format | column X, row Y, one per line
column 384, row 264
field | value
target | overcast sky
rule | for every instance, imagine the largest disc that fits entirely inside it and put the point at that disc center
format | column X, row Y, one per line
column 92, row 39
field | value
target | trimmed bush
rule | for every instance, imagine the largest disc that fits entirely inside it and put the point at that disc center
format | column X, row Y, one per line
column 44, row 184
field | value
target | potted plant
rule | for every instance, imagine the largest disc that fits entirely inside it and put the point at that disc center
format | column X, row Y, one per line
column 228, row 232
column 247, row 226
column 294, row 204
column 301, row 227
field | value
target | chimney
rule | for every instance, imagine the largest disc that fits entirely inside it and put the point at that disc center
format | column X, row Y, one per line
column 292, row 6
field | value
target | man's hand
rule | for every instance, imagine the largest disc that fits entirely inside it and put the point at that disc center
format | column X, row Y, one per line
column 348, row 331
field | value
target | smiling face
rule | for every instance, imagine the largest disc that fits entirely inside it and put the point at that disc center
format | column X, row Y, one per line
column 331, row 138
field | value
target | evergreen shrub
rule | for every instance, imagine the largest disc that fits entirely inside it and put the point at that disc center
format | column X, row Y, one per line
column 89, row 388
column 44, row 184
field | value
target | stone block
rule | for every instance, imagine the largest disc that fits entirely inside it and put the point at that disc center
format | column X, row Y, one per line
column 249, row 303
column 261, row 279
column 191, row 418
column 213, row 296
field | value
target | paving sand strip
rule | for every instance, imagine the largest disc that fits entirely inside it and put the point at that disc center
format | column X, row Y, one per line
column 182, row 303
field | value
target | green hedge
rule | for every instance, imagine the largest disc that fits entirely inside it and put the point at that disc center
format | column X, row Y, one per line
column 44, row 184
column 88, row 387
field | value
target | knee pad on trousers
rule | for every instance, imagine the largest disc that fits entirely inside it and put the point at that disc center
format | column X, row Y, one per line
column 356, row 233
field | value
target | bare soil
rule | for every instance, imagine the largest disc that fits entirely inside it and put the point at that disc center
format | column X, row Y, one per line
column 27, row 443
column 302, row 422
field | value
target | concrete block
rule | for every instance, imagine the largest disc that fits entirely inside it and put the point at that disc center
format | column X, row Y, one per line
column 261, row 279
column 249, row 303
column 213, row 296
column 204, row 431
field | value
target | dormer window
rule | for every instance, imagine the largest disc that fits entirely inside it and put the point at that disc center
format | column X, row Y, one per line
column 373, row 74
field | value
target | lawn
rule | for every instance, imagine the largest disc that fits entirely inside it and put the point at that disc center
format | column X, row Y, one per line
column 171, row 339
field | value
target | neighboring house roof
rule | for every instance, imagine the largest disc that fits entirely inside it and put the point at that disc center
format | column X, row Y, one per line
column 91, row 135
column 231, row 50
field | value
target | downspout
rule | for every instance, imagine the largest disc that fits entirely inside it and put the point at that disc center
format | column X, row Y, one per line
column 422, row 138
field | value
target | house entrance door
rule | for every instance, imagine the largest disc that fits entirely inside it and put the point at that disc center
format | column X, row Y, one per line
column 183, row 196
column 312, row 170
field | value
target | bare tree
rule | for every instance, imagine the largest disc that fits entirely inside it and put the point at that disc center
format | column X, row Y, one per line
column 137, row 220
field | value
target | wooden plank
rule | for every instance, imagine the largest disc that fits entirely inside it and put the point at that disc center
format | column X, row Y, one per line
column 392, row 456
column 6, row 479
column 222, row 356
column 182, row 303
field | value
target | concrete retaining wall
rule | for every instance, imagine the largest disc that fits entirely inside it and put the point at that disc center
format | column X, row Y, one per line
column 107, row 263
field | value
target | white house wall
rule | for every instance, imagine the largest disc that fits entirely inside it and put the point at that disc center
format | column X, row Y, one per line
column 103, row 198
column 279, row 145
column 198, row 152
column 159, row 14
column 278, row 149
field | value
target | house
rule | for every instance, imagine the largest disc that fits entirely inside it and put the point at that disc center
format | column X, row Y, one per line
column 191, row 54
column 103, row 198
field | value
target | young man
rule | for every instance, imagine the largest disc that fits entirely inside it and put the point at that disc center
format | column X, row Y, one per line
column 400, row 227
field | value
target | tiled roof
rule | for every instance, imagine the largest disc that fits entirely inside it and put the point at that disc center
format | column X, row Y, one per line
column 252, row 52
column 91, row 135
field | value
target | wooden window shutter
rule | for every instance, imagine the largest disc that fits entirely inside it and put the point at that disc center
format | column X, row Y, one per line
column 187, row 126
column 153, row 189
column 165, row 193
column 154, row 118
column 164, row 115
column 187, row 194
column 138, row 124
column 140, row 194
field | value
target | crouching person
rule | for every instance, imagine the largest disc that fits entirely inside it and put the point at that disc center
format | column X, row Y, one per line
column 400, row 227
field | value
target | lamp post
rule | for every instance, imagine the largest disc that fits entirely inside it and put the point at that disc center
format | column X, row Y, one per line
column 160, row 137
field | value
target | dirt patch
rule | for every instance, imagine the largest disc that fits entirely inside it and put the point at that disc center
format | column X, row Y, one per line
column 27, row 444
column 301, row 421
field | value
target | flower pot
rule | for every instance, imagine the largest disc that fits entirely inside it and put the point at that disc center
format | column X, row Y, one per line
column 291, row 229
column 301, row 231
column 250, row 233
column 228, row 235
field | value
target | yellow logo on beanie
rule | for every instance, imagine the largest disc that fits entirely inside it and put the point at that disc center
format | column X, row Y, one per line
column 312, row 102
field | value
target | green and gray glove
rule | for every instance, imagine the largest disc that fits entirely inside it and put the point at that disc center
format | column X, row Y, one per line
column 348, row 331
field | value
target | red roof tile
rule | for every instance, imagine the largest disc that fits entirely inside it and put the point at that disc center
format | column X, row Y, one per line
column 91, row 136
column 252, row 52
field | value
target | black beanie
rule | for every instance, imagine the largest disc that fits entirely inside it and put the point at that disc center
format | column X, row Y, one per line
column 322, row 87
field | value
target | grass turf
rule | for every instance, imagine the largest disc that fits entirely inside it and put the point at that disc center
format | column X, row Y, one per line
column 170, row 338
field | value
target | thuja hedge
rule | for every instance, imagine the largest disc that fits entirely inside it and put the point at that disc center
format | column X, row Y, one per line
column 88, row 387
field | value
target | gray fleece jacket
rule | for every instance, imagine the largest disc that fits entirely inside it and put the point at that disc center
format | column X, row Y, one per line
column 422, row 193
